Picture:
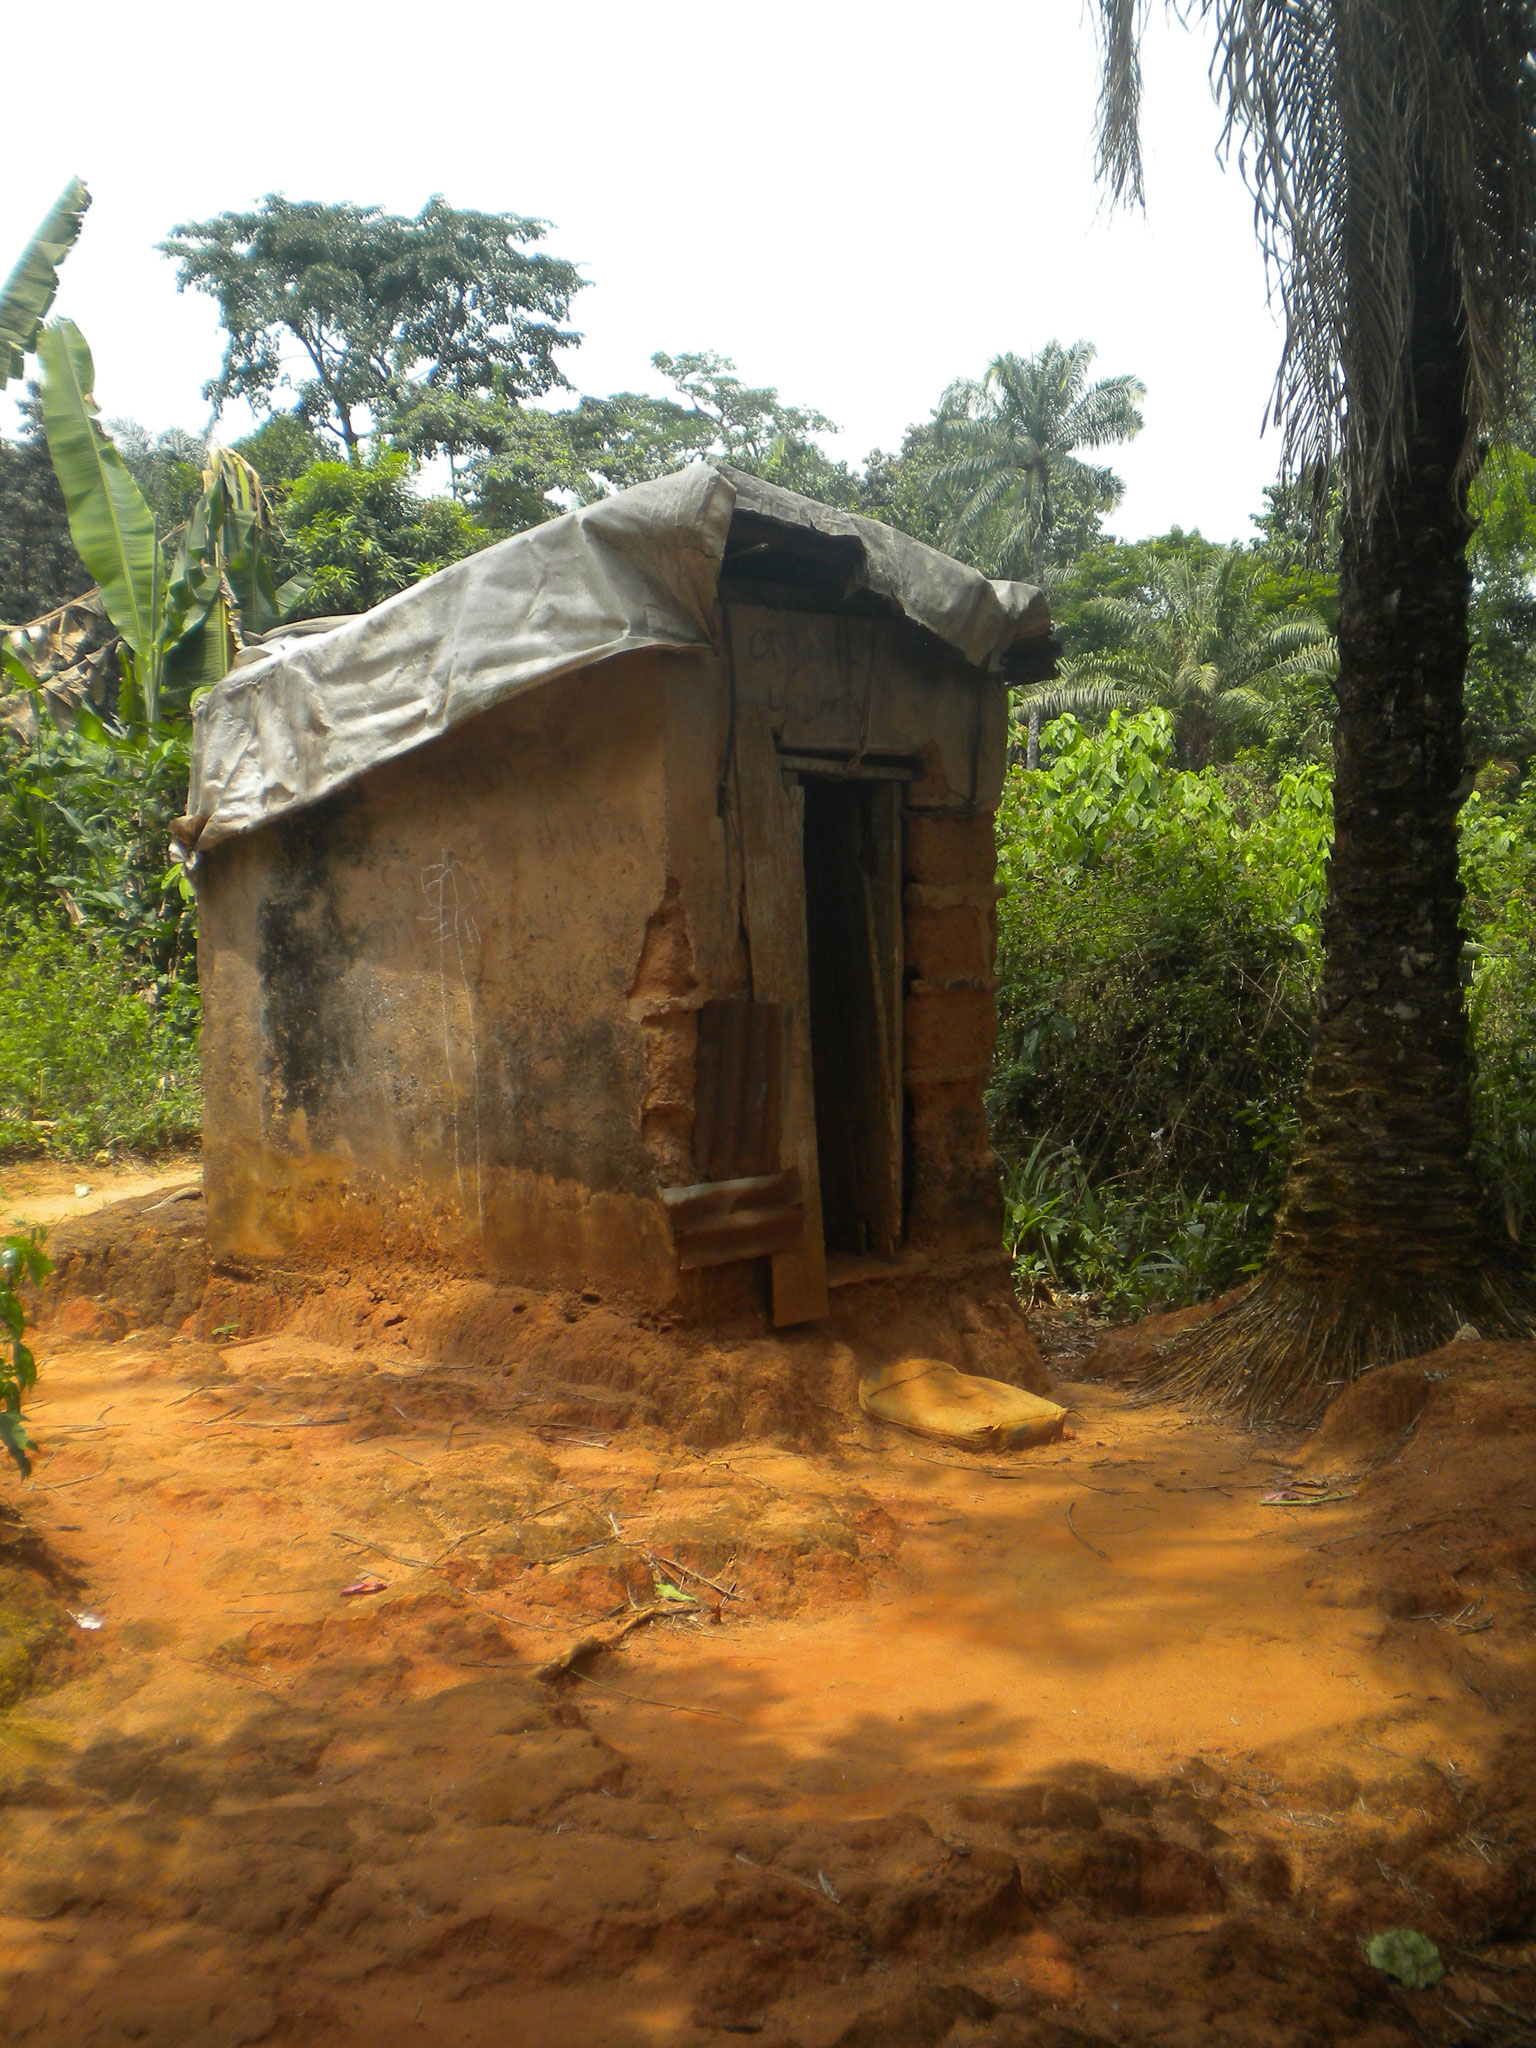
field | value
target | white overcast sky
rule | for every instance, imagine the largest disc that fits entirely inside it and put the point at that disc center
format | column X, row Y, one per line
column 856, row 202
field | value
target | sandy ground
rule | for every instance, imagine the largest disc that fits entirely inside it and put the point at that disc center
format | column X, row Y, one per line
column 1086, row 1744
column 48, row 1192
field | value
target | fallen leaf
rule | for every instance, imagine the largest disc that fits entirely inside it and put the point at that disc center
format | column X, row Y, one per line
column 1289, row 1497
column 1407, row 1955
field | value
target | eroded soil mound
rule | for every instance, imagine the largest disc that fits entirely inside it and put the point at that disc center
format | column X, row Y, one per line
column 560, row 1358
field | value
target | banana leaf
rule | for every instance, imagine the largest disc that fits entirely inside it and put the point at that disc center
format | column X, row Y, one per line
column 112, row 527
column 28, row 292
column 199, row 661
column 195, row 580
column 292, row 594
column 238, row 507
column 13, row 668
column 248, row 566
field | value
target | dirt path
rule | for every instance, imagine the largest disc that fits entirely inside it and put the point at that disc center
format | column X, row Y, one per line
column 1088, row 1738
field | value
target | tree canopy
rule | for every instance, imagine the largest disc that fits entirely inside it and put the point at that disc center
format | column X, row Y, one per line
column 39, row 567
column 380, row 309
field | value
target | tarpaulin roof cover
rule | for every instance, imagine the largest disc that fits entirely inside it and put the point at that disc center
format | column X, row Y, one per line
column 633, row 571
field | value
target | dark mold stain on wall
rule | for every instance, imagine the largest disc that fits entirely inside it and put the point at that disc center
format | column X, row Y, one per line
column 303, row 952
column 567, row 1106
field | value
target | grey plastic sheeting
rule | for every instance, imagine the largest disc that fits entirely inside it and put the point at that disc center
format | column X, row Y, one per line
column 633, row 571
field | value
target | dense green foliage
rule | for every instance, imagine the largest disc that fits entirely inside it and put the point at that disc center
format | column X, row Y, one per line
column 1498, row 839
column 1157, row 958
column 98, row 1003
column 98, row 1000
column 1159, row 952
column 358, row 533
column 85, row 820
column 93, row 1052
column 23, row 1263
column 1199, row 638
column 167, row 467
column 518, row 465
column 1501, row 675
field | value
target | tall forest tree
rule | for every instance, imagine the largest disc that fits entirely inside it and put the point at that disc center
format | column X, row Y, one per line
column 1011, row 451
column 531, row 460
column 380, row 313
column 1390, row 149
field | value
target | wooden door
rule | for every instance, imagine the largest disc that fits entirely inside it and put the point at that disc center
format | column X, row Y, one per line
column 772, row 832
column 853, row 914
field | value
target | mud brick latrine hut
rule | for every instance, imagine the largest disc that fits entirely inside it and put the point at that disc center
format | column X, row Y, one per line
column 616, row 910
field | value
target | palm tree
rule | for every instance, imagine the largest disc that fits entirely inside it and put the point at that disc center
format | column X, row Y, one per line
column 1390, row 148
column 1200, row 646
column 1008, row 453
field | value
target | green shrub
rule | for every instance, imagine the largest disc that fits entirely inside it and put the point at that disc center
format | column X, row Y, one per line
column 1157, row 954
column 94, row 1051
column 98, row 1005
column 23, row 1263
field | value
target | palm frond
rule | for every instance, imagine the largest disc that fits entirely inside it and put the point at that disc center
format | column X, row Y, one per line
column 1088, row 697
column 1123, row 615
column 1293, row 636
column 1242, row 711
column 1109, row 411
column 1008, row 440
column 992, row 491
column 1355, row 122
column 1121, row 23
column 1317, row 660
column 1121, row 669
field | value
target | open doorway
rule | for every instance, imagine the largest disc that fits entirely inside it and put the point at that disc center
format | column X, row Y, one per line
column 853, row 933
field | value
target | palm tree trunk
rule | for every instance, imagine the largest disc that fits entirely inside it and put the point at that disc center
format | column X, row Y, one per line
column 1384, row 1243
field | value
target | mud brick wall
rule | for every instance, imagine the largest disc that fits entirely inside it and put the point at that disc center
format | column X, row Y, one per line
column 950, row 920
column 440, row 1007
column 665, row 998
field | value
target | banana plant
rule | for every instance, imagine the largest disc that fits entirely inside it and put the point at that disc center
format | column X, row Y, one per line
column 172, row 606
column 111, row 524
column 28, row 293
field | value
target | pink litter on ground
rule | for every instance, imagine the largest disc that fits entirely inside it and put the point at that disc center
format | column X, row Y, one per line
column 363, row 1585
